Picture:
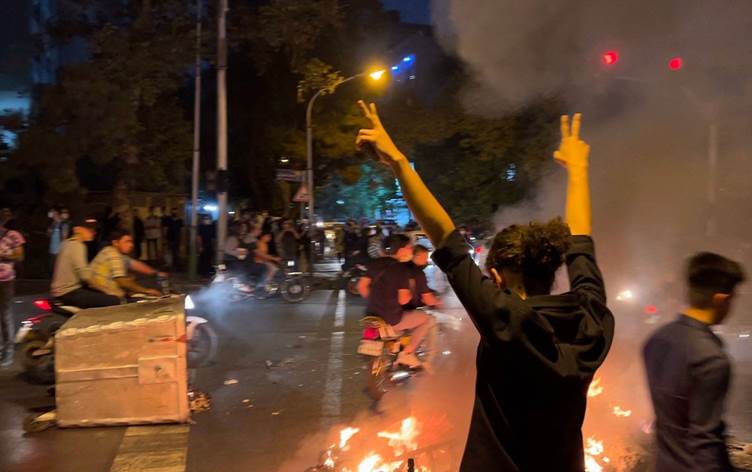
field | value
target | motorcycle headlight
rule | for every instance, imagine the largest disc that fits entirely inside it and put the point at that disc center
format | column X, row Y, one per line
column 189, row 303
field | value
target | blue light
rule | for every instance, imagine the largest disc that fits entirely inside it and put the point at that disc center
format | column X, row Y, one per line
column 340, row 202
column 210, row 207
column 395, row 68
column 407, row 58
column 511, row 173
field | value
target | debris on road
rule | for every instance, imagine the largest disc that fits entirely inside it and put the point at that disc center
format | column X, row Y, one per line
column 231, row 381
column 269, row 364
column 198, row 401
column 276, row 413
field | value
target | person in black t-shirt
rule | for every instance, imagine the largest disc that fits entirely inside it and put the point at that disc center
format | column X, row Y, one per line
column 422, row 293
column 538, row 352
column 387, row 287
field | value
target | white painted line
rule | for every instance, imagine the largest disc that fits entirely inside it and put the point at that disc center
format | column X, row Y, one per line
column 339, row 312
column 331, row 405
column 156, row 448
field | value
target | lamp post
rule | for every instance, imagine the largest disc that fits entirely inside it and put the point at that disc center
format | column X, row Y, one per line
column 193, row 258
column 376, row 75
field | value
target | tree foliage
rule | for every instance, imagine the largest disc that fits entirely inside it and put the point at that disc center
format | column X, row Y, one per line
column 119, row 108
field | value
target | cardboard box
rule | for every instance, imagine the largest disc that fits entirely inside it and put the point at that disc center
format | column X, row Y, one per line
column 123, row 365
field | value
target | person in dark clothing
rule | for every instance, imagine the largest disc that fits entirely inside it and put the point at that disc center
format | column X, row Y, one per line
column 352, row 244
column 138, row 234
column 387, row 285
column 421, row 292
column 689, row 372
column 207, row 234
column 173, row 236
column 538, row 352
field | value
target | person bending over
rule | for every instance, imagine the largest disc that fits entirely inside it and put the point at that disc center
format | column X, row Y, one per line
column 112, row 266
column 538, row 352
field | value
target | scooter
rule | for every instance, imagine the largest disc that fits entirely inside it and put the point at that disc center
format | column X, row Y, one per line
column 288, row 282
column 35, row 338
column 380, row 344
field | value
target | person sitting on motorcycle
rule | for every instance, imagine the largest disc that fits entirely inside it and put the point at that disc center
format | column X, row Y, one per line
column 422, row 293
column 72, row 280
column 111, row 266
column 262, row 256
column 387, row 288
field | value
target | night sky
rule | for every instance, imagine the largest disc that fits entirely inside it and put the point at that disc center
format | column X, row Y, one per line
column 411, row 11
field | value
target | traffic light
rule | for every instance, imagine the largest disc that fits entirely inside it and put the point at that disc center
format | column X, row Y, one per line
column 610, row 58
column 675, row 63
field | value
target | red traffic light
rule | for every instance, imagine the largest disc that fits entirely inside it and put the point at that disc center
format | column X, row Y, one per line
column 675, row 63
column 610, row 58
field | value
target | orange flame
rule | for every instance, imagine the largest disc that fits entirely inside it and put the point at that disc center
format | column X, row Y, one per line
column 595, row 388
column 345, row 436
column 618, row 411
column 593, row 447
column 374, row 463
column 405, row 439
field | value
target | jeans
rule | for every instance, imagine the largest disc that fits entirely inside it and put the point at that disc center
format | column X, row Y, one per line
column 7, row 324
column 423, row 326
column 87, row 298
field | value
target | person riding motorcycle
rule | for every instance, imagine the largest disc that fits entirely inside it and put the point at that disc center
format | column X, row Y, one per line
column 240, row 254
column 422, row 293
column 387, row 287
column 72, row 280
column 111, row 266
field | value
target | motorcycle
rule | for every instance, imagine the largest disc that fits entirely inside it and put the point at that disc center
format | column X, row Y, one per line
column 35, row 338
column 380, row 344
column 288, row 282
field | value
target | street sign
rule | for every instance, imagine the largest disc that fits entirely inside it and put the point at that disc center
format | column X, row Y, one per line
column 302, row 195
column 290, row 175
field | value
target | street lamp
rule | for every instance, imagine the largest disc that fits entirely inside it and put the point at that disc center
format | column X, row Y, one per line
column 373, row 75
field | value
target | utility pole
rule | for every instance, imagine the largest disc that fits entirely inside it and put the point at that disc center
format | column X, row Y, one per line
column 193, row 258
column 221, row 128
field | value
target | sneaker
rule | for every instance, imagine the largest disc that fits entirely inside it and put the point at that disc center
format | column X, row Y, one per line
column 410, row 360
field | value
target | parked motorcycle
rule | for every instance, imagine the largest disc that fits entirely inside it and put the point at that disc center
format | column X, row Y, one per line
column 36, row 337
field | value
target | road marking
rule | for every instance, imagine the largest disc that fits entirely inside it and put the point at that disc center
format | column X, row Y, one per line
column 339, row 312
column 331, row 405
column 156, row 448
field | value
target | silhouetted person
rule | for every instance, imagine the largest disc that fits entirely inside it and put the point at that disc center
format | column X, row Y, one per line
column 689, row 371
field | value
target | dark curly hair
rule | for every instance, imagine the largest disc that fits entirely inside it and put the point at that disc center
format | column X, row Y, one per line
column 535, row 251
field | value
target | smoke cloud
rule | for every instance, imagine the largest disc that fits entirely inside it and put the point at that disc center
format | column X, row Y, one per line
column 671, row 154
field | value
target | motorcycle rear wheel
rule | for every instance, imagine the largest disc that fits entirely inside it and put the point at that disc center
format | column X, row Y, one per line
column 40, row 369
column 202, row 347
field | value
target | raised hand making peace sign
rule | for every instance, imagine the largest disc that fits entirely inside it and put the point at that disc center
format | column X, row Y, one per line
column 377, row 137
column 573, row 152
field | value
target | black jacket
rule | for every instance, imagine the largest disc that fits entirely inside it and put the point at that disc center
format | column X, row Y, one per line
column 535, row 362
column 689, row 375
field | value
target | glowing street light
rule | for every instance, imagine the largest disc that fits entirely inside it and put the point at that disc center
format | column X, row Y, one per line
column 377, row 75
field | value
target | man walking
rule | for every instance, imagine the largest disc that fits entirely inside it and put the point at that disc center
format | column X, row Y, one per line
column 153, row 231
column 689, row 371
column 173, row 233
column 11, row 251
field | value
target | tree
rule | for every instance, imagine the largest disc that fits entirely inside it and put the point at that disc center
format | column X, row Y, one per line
column 118, row 110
